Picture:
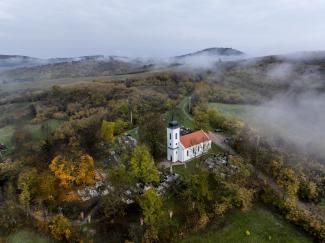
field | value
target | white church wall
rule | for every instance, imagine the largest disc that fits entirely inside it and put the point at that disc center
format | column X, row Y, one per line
column 173, row 137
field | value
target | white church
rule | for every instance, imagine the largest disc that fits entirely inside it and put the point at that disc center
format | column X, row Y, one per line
column 185, row 147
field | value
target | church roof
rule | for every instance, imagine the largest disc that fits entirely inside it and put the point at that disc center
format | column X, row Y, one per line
column 194, row 138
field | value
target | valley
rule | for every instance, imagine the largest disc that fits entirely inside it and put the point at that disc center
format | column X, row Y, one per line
column 101, row 129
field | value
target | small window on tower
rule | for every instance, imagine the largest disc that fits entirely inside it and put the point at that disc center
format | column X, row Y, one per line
column 175, row 135
column 170, row 136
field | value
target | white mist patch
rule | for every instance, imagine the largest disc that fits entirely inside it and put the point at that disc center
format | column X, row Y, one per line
column 299, row 120
column 280, row 71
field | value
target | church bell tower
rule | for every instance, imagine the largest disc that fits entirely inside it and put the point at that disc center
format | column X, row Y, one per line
column 173, row 133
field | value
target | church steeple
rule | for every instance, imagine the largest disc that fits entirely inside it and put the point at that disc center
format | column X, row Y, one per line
column 173, row 123
column 173, row 138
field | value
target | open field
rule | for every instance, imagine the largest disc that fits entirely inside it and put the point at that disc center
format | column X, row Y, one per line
column 27, row 236
column 234, row 110
column 47, row 83
column 263, row 226
column 37, row 131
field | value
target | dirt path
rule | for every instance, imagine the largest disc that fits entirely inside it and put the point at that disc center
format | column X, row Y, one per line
column 218, row 139
column 183, row 107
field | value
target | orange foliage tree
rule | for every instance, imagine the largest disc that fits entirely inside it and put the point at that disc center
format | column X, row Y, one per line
column 80, row 172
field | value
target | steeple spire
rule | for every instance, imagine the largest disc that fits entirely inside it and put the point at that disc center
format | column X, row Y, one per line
column 173, row 123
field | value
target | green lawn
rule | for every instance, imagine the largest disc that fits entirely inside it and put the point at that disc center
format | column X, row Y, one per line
column 262, row 225
column 27, row 236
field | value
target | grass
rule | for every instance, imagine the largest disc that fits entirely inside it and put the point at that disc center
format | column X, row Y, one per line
column 27, row 236
column 134, row 133
column 263, row 226
column 180, row 114
column 322, row 204
column 37, row 132
column 6, row 134
column 233, row 110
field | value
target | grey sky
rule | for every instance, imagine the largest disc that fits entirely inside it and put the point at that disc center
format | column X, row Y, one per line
column 52, row 28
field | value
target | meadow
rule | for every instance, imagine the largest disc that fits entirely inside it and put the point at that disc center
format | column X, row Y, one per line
column 257, row 225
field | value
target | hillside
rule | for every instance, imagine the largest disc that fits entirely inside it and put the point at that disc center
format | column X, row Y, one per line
column 8, row 62
column 80, row 67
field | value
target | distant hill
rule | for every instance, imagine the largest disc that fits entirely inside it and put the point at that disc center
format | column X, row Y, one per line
column 208, row 57
column 57, row 68
column 8, row 62
column 215, row 51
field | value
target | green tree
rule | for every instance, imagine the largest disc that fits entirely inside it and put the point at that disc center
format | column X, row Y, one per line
column 216, row 119
column 196, row 192
column 201, row 118
column 142, row 166
column 152, row 133
column 307, row 190
column 26, row 184
column 169, row 104
column 120, row 126
column 107, row 131
column 151, row 205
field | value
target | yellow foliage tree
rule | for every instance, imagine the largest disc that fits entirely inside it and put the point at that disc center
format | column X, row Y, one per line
column 74, row 173
column 63, row 170
column 61, row 228
column 86, row 171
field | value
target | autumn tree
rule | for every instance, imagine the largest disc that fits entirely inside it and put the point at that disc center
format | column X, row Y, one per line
column 46, row 189
column 71, row 172
column 61, row 228
column 142, row 166
column 86, row 171
column 288, row 182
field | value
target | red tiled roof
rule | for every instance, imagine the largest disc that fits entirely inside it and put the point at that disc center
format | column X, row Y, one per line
column 194, row 138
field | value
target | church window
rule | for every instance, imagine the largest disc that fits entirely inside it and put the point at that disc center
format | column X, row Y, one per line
column 187, row 152
column 175, row 135
column 170, row 136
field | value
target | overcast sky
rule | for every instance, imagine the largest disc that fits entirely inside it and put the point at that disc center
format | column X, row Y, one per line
column 60, row 28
